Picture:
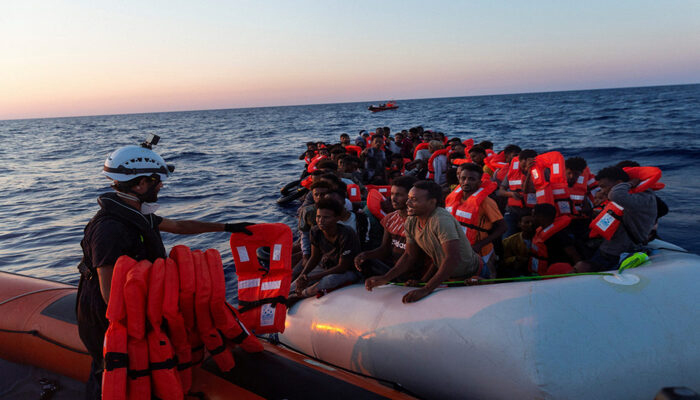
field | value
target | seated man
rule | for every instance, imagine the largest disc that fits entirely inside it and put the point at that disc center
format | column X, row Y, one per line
column 344, row 139
column 516, row 249
column 552, row 243
column 375, row 160
column 307, row 220
column 432, row 231
column 383, row 258
column 333, row 249
column 477, row 155
column 638, row 219
column 518, row 188
column 368, row 235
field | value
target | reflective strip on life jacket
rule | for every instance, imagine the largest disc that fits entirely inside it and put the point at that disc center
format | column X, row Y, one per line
column 165, row 382
column 354, row 194
column 262, row 290
column 552, row 161
column 467, row 212
column 607, row 222
column 115, row 344
column 539, row 261
column 135, row 289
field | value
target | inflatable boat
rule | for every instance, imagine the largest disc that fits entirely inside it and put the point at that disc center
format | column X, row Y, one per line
column 617, row 336
column 382, row 107
column 38, row 327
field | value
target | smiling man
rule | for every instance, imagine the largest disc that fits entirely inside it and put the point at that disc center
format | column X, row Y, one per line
column 431, row 231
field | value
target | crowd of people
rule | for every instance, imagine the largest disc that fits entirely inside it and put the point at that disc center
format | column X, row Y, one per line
column 422, row 208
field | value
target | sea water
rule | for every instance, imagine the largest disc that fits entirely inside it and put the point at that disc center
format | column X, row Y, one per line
column 230, row 164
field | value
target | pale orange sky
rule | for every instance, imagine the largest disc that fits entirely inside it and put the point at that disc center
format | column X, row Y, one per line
column 81, row 58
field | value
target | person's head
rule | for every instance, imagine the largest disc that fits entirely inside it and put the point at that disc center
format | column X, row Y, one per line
column 337, row 195
column 328, row 213
column 455, row 155
column 323, row 151
column 439, row 136
column 627, row 164
column 398, row 137
column 527, row 225
column 137, row 170
column 511, row 151
column 423, row 198
column 574, row 168
column 334, row 180
column 609, row 177
column 352, row 163
column 320, row 189
column 337, row 151
column 544, row 214
column 524, row 157
column 469, row 175
column 486, row 144
column 399, row 191
column 396, row 162
column 459, row 147
column 477, row 154
column 427, row 137
column 435, row 145
column 377, row 141
column 327, row 166
column 413, row 133
column 344, row 139
column 386, row 131
column 343, row 163
column 311, row 146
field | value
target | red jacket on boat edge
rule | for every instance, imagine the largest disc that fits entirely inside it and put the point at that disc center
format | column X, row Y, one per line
column 539, row 261
column 115, row 345
column 135, row 288
column 211, row 337
column 165, row 381
column 185, row 265
column 263, row 290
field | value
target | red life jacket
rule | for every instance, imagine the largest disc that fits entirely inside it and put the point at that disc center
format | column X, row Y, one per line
column 489, row 152
column 225, row 320
column 312, row 165
column 607, row 222
column 262, row 292
column 374, row 204
column 176, row 324
column 649, row 177
column 384, row 190
column 420, row 146
column 539, row 262
column 431, row 167
column 459, row 161
column 555, row 190
column 354, row 194
column 165, row 381
column 115, row 344
column 307, row 182
column 135, row 289
column 211, row 337
column 497, row 162
column 515, row 184
column 467, row 212
column 468, row 144
column 185, row 265
column 354, row 150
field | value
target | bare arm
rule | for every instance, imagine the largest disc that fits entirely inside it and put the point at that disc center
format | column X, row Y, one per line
column 498, row 229
column 104, row 273
column 380, row 252
column 451, row 249
column 403, row 265
column 189, row 227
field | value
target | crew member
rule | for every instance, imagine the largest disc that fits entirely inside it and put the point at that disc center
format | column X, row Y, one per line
column 125, row 225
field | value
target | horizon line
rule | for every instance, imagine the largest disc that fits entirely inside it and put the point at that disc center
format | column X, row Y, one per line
column 346, row 102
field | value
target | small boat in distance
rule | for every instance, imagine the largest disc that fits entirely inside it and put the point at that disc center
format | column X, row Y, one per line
column 389, row 105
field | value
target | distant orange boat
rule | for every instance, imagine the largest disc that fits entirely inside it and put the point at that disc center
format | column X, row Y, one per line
column 383, row 107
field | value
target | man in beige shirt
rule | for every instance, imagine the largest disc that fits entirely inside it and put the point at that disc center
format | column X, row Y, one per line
column 431, row 231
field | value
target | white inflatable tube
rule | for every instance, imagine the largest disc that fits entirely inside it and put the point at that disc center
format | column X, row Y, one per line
column 584, row 337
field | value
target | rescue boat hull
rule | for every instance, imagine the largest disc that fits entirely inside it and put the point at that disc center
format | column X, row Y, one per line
column 576, row 338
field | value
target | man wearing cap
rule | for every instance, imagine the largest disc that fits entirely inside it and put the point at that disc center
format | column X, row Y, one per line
column 124, row 225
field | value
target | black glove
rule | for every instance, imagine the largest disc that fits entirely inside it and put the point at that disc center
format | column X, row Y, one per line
column 239, row 227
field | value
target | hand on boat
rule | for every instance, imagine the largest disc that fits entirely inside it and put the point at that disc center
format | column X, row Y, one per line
column 415, row 295
column 359, row 260
column 375, row 281
column 413, row 283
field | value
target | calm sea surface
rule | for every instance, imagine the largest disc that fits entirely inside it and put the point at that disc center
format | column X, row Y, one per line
column 230, row 164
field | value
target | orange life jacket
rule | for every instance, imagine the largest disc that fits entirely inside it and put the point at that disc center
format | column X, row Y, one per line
column 354, row 194
column 649, row 177
column 115, row 344
column 262, row 291
column 211, row 337
column 468, row 144
column 135, row 289
column 431, row 167
column 497, row 162
column 460, row 161
column 539, row 261
column 354, row 150
column 467, row 212
column 515, row 184
column 312, row 165
column 489, row 152
column 185, row 265
column 165, row 381
column 607, row 222
column 374, row 203
column 226, row 321
column 420, row 146
column 176, row 324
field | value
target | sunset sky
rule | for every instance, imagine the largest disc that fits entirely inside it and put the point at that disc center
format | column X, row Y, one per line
column 61, row 58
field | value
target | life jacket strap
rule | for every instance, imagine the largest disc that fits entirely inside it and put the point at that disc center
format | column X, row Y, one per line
column 217, row 350
column 249, row 305
column 238, row 339
column 116, row 360
column 167, row 364
column 470, row 226
column 139, row 373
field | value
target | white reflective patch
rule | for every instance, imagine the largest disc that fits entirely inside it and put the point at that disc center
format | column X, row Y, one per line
column 276, row 252
column 535, row 175
column 604, row 223
column 478, row 191
column 272, row 285
column 242, row 253
column 539, row 193
column 531, row 198
column 449, row 209
column 516, row 164
column 353, row 191
column 464, row 214
column 383, row 190
column 267, row 315
column 644, row 182
column 535, row 263
column 248, row 283
column 591, row 181
column 548, row 228
column 555, row 168
column 464, row 229
column 459, row 189
column 517, row 182
column 564, row 207
column 558, row 191
column 579, row 179
column 577, row 197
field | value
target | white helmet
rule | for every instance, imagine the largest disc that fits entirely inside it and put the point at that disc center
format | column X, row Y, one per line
column 130, row 162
